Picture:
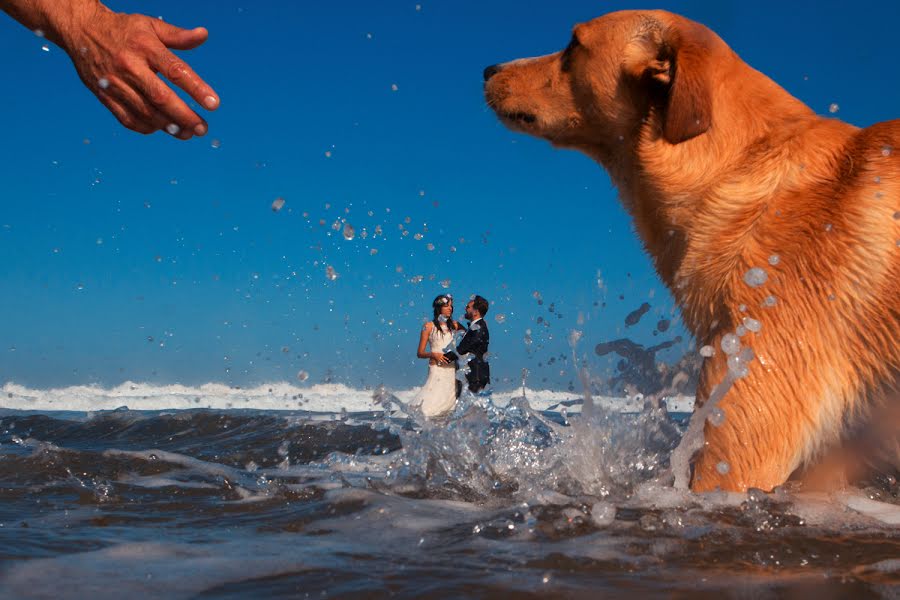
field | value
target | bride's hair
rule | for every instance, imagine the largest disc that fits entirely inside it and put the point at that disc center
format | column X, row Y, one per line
column 438, row 304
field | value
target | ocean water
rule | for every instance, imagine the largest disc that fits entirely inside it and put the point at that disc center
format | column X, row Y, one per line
column 216, row 492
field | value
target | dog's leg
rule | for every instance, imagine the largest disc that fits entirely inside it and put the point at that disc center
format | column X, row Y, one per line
column 870, row 452
column 757, row 435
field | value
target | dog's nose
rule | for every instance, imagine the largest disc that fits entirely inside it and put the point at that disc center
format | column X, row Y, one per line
column 491, row 71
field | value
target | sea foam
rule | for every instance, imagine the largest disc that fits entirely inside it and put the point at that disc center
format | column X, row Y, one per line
column 320, row 398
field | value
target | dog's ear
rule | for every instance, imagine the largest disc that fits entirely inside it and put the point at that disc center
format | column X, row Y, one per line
column 676, row 60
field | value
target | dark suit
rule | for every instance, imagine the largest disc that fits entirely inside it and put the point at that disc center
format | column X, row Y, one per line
column 476, row 341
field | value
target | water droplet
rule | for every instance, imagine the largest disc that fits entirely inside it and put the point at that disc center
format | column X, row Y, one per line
column 45, row 48
column 730, row 344
column 723, row 468
column 755, row 277
column 833, row 107
column 349, row 232
column 394, row 87
column 373, row 251
column 500, row 318
column 828, row 227
column 216, row 143
column 79, row 287
column 716, row 417
column 39, row 33
column 302, row 375
column 707, row 351
column 328, row 154
column 737, row 366
column 770, row 301
column 103, row 82
column 173, row 129
column 774, row 259
column 740, row 331
column 752, row 325
column 277, row 204
column 283, row 449
column 330, row 273
column 418, row 236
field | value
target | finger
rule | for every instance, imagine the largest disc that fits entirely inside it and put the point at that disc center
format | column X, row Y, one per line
column 128, row 97
column 178, row 38
column 166, row 101
column 125, row 116
column 178, row 72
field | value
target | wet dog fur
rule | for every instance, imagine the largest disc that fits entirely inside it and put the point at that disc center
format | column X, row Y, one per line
column 724, row 171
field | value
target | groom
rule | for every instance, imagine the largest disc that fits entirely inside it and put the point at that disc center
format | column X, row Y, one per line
column 475, row 341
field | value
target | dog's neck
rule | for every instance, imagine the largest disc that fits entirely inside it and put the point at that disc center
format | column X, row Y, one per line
column 687, row 199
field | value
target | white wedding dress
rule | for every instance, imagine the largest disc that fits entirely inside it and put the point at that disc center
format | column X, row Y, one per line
column 438, row 395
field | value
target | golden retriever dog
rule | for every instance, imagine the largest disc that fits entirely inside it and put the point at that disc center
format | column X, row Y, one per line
column 777, row 231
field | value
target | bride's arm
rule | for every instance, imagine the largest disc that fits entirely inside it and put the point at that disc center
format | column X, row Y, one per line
column 423, row 340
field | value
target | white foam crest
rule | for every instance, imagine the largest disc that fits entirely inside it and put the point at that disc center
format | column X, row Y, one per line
column 323, row 397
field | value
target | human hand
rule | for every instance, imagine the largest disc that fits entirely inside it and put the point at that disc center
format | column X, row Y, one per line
column 439, row 358
column 118, row 57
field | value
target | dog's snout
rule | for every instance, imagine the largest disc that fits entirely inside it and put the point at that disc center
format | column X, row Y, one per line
column 491, row 71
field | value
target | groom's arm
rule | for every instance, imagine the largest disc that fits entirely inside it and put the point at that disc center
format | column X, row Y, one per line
column 471, row 341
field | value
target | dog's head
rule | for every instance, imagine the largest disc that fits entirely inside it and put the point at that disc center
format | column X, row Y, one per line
column 620, row 74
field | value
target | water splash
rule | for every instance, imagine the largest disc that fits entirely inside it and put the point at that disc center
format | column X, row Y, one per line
column 755, row 277
column 693, row 438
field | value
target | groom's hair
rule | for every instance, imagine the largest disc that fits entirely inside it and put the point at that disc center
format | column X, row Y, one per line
column 480, row 304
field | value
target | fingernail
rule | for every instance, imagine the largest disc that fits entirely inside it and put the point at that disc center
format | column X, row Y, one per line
column 200, row 129
column 210, row 102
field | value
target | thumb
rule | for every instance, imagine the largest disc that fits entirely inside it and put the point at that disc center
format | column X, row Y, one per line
column 178, row 38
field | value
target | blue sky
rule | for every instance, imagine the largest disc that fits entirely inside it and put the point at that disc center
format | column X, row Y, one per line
column 139, row 258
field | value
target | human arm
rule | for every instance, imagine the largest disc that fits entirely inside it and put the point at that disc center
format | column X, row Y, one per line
column 118, row 57
column 423, row 341
column 472, row 341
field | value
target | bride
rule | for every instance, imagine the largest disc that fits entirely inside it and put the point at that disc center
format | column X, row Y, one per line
column 438, row 395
